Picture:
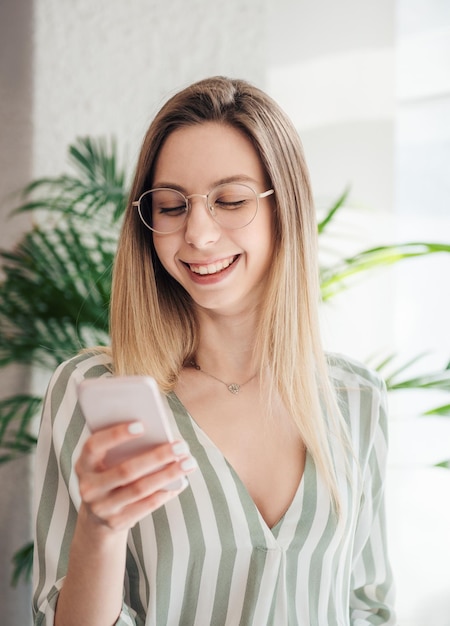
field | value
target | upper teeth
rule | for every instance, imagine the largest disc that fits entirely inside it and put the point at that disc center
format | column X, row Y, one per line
column 212, row 268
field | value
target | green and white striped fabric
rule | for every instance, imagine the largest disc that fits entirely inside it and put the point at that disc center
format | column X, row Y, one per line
column 207, row 558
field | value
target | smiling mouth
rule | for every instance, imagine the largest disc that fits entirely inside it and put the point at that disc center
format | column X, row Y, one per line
column 212, row 268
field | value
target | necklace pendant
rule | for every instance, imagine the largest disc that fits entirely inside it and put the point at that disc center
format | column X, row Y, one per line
column 234, row 388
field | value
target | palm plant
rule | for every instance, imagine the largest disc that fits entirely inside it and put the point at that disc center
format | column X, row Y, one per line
column 337, row 276
column 55, row 292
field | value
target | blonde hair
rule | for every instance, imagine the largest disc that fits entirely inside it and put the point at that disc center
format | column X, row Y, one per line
column 153, row 326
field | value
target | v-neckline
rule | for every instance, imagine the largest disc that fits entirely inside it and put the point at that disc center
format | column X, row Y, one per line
column 298, row 494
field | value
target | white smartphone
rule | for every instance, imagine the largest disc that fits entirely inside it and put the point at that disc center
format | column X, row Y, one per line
column 116, row 399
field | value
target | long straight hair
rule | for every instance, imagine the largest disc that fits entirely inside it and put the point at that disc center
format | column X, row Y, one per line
column 153, row 323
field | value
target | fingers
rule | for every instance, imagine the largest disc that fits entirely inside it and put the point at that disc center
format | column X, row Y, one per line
column 153, row 470
column 121, row 495
column 130, row 515
column 98, row 444
column 145, row 494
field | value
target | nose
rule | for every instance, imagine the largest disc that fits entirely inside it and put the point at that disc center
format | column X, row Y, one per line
column 201, row 229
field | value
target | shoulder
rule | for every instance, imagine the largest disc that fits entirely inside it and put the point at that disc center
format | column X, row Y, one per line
column 61, row 411
column 348, row 373
column 90, row 364
column 70, row 373
column 362, row 399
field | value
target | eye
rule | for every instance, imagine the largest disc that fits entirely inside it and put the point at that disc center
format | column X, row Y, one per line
column 233, row 197
column 167, row 202
column 229, row 203
column 173, row 211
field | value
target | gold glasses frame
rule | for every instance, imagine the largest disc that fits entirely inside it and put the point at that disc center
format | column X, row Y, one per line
column 209, row 206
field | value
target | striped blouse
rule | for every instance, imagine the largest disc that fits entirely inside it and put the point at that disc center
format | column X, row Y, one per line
column 207, row 558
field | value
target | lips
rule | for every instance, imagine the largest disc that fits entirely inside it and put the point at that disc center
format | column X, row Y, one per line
column 211, row 268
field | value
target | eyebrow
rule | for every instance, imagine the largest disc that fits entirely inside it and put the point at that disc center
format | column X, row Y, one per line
column 238, row 178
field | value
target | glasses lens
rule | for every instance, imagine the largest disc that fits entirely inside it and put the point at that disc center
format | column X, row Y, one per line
column 233, row 205
column 163, row 210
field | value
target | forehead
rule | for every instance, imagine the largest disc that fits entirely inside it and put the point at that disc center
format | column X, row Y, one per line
column 202, row 155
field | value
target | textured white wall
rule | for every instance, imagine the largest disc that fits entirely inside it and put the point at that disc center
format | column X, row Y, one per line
column 105, row 67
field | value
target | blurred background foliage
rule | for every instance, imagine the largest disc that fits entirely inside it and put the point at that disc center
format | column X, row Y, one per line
column 54, row 292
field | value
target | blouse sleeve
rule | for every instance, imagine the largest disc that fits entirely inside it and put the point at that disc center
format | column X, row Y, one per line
column 56, row 496
column 372, row 589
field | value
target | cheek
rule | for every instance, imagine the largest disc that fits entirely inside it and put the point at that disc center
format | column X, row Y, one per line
column 165, row 251
column 264, row 238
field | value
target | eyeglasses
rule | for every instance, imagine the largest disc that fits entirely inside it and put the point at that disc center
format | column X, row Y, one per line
column 232, row 205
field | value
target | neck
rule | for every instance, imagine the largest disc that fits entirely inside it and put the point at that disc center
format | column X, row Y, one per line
column 226, row 346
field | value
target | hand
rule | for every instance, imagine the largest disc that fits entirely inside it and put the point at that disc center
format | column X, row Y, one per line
column 121, row 495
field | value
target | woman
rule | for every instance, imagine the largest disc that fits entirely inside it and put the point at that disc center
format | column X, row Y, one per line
column 215, row 295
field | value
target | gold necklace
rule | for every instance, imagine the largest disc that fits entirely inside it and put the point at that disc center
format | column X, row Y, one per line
column 233, row 388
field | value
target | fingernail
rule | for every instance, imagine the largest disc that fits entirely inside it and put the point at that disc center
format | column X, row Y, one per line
column 188, row 464
column 180, row 447
column 136, row 428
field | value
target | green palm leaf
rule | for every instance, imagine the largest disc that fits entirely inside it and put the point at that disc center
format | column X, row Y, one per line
column 332, row 211
column 54, row 299
column 443, row 411
column 16, row 419
column 97, row 185
column 335, row 279
column 435, row 380
column 22, row 564
column 396, row 378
